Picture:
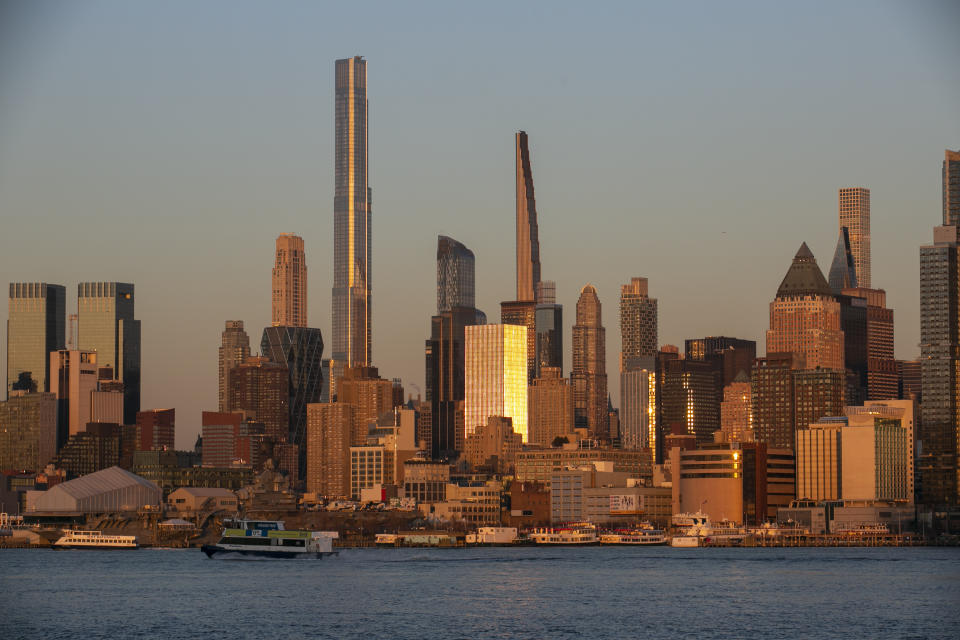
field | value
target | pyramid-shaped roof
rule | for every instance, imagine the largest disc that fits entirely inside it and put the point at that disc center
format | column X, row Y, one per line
column 804, row 276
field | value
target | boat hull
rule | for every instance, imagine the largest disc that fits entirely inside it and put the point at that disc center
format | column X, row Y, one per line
column 685, row 541
column 93, row 547
column 214, row 551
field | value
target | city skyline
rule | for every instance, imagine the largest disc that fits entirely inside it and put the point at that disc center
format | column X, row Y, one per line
column 682, row 286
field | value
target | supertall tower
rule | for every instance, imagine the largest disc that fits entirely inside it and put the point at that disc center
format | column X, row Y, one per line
column 289, row 283
column 352, row 248
column 855, row 216
column 951, row 188
column 455, row 275
column 528, row 243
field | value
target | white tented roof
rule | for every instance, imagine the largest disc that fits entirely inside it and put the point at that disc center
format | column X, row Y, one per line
column 107, row 480
column 112, row 489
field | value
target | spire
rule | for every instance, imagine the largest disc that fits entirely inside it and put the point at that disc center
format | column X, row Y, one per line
column 804, row 276
column 843, row 274
column 528, row 243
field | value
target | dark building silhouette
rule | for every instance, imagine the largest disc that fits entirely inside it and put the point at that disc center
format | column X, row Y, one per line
column 528, row 242
column 455, row 275
column 260, row 388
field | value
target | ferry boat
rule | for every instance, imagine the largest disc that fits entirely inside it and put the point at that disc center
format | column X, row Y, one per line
column 696, row 527
column 573, row 534
column 642, row 534
column 75, row 539
column 269, row 538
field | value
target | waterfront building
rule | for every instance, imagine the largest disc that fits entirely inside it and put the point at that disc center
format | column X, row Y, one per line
column 156, row 429
column 843, row 271
column 171, row 469
column 289, row 291
column 352, row 217
column 550, row 407
column 597, row 494
column 529, row 505
column 539, row 465
column 528, row 242
column 234, row 349
column 35, row 327
column 638, row 405
column 73, row 379
column 493, row 446
column 940, row 362
column 331, row 431
column 736, row 411
column 196, row 499
column 108, row 491
column 259, row 388
column 495, row 376
column 905, row 412
column 638, row 322
column 818, row 461
column 28, row 431
column 474, row 503
column 854, row 209
column 744, row 482
column 548, row 329
column 106, row 324
column 425, row 481
column 805, row 316
column 455, row 275
column 589, row 373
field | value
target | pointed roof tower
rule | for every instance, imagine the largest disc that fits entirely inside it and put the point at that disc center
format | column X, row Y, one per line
column 804, row 276
column 843, row 273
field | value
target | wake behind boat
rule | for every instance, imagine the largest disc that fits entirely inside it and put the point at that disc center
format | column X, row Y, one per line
column 269, row 539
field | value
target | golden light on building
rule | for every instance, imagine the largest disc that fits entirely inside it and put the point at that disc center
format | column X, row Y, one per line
column 495, row 376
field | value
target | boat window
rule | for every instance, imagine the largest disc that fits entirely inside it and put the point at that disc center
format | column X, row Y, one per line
column 247, row 541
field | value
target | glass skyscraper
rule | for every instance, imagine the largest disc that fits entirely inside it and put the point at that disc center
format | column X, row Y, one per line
column 106, row 325
column 495, row 376
column 455, row 275
column 36, row 325
column 352, row 248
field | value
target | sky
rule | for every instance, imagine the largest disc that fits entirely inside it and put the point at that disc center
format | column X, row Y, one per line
column 696, row 144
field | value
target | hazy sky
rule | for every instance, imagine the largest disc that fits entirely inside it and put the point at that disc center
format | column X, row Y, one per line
column 697, row 144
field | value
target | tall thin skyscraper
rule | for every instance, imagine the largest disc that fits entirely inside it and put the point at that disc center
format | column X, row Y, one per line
column 589, row 374
column 106, row 325
column 234, row 349
column 548, row 325
column 528, row 242
column 289, row 283
column 35, row 327
column 638, row 322
column 455, row 275
column 951, row 188
column 352, row 205
column 855, row 216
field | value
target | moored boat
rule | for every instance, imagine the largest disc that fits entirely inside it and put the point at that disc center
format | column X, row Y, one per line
column 76, row 539
column 269, row 538
column 580, row 533
column 638, row 535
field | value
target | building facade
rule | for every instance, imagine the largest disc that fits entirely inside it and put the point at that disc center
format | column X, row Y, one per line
column 638, row 405
column 156, row 429
column 495, row 376
column 234, row 349
column 854, row 211
column 455, row 275
column 549, row 407
column 289, row 290
column 589, row 374
column 36, row 325
column 549, row 329
column 260, row 389
column 638, row 322
column 28, row 431
column 73, row 379
column 331, row 431
column 528, row 242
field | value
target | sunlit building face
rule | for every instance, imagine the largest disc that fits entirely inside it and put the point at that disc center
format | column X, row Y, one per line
column 496, row 376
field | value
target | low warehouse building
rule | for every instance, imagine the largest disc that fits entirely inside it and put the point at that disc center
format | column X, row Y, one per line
column 108, row 491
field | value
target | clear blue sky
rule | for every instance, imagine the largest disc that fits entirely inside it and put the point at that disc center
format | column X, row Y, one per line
column 697, row 144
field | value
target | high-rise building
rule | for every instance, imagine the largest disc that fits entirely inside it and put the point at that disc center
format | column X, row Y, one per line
column 105, row 313
column 528, row 242
column 771, row 387
column 589, row 374
column 229, row 439
column 493, row 446
column 300, row 350
column 234, row 349
column 817, row 393
column 940, row 365
column 843, row 271
column 331, row 431
column 881, row 367
column 729, row 356
column 805, row 316
column 28, row 431
column 259, row 388
column 855, row 216
column 548, row 324
column 951, row 188
column 638, row 405
column 853, row 322
column 523, row 313
column 455, row 275
column 156, row 429
column 638, row 322
column 550, row 407
column 289, row 292
column 905, row 412
column 495, row 376
column 35, row 327
column 371, row 395
column 736, row 411
column 352, row 207
column 73, row 379
column 689, row 398
column 910, row 373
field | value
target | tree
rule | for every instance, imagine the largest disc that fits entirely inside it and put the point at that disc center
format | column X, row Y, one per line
column 24, row 383
column 559, row 441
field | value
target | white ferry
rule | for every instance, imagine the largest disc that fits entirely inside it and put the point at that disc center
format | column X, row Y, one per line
column 74, row 539
column 642, row 534
column 572, row 534
column 269, row 538
column 696, row 527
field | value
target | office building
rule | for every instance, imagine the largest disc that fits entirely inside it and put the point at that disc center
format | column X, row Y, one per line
column 106, row 324
column 539, row 465
column 771, row 388
column 523, row 314
column 73, row 379
column 592, row 493
column 234, row 349
column 289, row 291
column 589, row 373
column 905, row 412
column 260, row 389
column 528, row 242
column 370, row 395
column 331, row 431
column 495, row 376
column 101, row 446
column 548, row 324
column 352, row 211
column 689, row 397
column 638, row 405
column 855, row 217
column 817, row 393
column 805, row 316
column 910, row 373
column 736, row 411
column 35, row 327
column 951, row 188
column 843, row 271
column 550, row 408
column 638, row 322
column 106, row 406
column 494, row 446
column 940, row 362
column 455, row 275
column 853, row 321
column 156, row 429
column 232, row 440
column 28, row 431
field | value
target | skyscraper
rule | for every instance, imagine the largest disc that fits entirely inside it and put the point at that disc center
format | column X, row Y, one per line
column 528, row 242
column 106, row 325
column 940, row 365
column 28, row 437
column 589, row 374
column 882, row 377
column 523, row 313
column 548, row 326
column 805, row 316
column 549, row 407
column 638, row 322
column 951, row 188
column 855, row 216
column 289, row 283
column 260, row 389
column 352, row 206
column 638, row 404
column 234, row 349
column 455, row 275
column 73, row 379
column 843, row 271
column 495, row 381
column 35, row 327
